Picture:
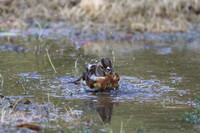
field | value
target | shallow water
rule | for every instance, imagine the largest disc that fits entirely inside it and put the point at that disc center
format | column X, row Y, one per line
column 159, row 79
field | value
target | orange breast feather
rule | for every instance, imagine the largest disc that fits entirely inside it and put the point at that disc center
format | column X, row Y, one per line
column 110, row 80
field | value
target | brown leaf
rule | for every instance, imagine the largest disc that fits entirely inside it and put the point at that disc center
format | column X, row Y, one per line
column 30, row 126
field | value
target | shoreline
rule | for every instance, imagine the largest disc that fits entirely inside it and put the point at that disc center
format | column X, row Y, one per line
column 132, row 16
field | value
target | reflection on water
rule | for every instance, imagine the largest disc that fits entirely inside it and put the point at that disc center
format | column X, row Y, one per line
column 159, row 79
column 103, row 105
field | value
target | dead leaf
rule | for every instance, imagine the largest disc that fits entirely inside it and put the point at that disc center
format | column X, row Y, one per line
column 30, row 126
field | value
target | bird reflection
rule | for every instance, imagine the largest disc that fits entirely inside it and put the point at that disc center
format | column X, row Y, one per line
column 103, row 105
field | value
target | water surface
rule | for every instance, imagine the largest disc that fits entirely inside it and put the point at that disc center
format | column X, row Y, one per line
column 159, row 80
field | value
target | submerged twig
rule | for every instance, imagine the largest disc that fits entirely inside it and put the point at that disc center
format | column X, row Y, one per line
column 129, row 119
column 51, row 61
column 3, row 113
column 15, row 104
column 48, row 96
column 75, row 67
column 2, row 80
column 121, row 128
column 103, row 123
column 75, row 64
column 113, row 54
column 40, row 27
column 21, row 82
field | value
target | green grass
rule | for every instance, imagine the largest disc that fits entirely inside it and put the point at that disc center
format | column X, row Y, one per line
column 197, row 99
column 191, row 116
column 194, row 115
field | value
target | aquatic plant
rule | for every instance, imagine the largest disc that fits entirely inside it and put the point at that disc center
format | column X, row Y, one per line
column 197, row 99
column 2, row 81
column 194, row 115
column 51, row 61
column 141, row 129
column 191, row 116
column 167, row 102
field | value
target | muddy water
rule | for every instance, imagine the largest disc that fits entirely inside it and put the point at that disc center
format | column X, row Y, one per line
column 159, row 80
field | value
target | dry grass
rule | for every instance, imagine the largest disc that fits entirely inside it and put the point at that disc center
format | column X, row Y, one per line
column 134, row 15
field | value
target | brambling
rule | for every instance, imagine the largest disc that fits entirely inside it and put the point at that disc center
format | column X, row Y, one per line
column 100, row 76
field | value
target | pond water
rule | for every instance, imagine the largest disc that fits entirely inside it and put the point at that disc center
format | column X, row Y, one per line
column 159, row 80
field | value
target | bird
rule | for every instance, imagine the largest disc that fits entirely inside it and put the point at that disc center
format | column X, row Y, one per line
column 99, row 76
column 104, row 67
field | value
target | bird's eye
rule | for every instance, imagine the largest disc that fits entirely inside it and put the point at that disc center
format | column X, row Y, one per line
column 101, row 67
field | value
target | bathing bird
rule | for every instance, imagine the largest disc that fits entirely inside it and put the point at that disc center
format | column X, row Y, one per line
column 99, row 76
